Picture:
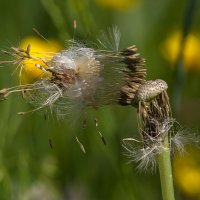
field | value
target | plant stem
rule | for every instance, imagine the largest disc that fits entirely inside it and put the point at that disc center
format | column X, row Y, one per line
column 166, row 178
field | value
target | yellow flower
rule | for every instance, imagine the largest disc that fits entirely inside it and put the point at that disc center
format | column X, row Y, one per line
column 117, row 4
column 41, row 51
column 191, row 51
column 187, row 173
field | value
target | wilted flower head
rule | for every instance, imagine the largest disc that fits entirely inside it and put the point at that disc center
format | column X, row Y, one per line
column 155, row 124
column 79, row 76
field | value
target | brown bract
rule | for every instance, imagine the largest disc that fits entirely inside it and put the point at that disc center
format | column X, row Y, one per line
column 135, row 75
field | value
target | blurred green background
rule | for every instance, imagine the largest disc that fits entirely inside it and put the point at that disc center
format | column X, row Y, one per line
column 30, row 169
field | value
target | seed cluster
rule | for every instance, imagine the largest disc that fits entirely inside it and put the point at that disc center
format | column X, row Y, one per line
column 80, row 77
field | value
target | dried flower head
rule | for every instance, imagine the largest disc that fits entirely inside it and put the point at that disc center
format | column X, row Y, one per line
column 79, row 76
column 155, row 124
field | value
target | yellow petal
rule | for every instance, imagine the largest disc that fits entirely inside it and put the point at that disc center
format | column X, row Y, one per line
column 171, row 48
column 187, row 173
column 117, row 4
column 42, row 51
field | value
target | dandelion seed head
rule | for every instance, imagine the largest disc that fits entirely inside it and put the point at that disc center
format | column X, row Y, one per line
column 80, row 77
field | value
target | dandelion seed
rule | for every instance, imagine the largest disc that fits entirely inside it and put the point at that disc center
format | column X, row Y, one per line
column 81, row 145
column 39, row 34
column 182, row 138
column 100, row 134
column 74, row 27
column 84, row 123
column 50, row 144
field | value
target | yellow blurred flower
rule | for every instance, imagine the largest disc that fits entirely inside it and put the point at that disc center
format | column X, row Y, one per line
column 41, row 50
column 117, row 4
column 187, row 173
column 191, row 52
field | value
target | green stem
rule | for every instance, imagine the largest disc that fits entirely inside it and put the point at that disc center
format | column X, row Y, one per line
column 166, row 178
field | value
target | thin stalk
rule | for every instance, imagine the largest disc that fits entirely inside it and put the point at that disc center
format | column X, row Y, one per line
column 165, row 169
